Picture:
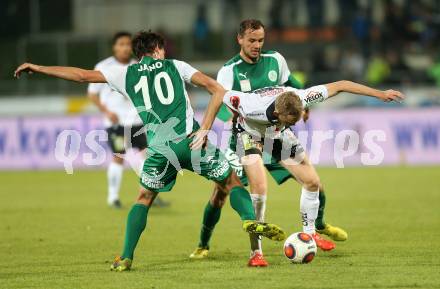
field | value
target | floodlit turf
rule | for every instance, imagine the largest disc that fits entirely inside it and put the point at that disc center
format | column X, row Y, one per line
column 56, row 232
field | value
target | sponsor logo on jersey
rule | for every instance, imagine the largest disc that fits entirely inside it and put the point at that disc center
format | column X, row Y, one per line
column 244, row 75
column 269, row 91
column 235, row 101
column 304, row 219
column 151, row 180
column 245, row 85
column 234, row 161
column 313, row 96
column 273, row 75
column 219, row 170
column 255, row 113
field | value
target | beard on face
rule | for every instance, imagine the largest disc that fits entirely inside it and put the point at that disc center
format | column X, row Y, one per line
column 254, row 58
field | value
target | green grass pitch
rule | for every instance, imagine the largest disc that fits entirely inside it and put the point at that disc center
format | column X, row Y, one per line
column 57, row 232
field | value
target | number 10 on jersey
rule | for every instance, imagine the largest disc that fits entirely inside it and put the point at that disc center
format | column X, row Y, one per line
column 142, row 86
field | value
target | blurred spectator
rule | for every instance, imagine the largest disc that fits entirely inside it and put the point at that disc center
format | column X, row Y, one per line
column 397, row 67
column 201, row 30
column 352, row 65
column 275, row 15
column 395, row 26
column 315, row 9
column 346, row 8
column 434, row 72
column 395, row 60
column 361, row 30
column 378, row 70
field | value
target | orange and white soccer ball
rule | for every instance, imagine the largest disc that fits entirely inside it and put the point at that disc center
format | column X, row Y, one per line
column 300, row 248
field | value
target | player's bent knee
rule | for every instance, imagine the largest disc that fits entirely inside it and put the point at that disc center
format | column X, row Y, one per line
column 146, row 197
column 312, row 184
column 118, row 159
column 231, row 181
column 259, row 188
column 219, row 197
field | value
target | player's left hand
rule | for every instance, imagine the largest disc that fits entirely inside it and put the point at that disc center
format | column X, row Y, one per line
column 26, row 67
column 390, row 95
column 200, row 138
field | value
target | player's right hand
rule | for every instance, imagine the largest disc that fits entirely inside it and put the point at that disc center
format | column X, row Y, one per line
column 26, row 67
column 200, row 138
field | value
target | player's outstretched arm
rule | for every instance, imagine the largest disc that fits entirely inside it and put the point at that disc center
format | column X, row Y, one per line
column 63, row 72
column 217, row 92
column 356, row 88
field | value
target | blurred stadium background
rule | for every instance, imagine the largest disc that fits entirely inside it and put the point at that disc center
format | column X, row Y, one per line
column 56, row 231
column 387, row 44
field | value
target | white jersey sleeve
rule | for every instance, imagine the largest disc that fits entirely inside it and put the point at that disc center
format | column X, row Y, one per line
column 312, row 95
column 225, row 77
column 284, row 69
column 186, row 71
column 115, row 77
column 248, row 104
column 236, row 99
column 95, row 88
column 252, row 108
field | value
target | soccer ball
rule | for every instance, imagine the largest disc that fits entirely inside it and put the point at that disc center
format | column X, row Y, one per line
column 300, row 248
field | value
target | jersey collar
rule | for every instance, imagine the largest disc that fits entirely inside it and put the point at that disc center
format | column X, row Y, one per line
column 244, row 61
column 146, row 58
column 270, row 113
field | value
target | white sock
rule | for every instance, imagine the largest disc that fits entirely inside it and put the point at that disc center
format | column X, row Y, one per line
column 114, row 177
column 309, row 206
column 259, row 203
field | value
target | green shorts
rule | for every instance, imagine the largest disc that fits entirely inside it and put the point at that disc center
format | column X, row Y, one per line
column 277, row 171
column 162, row 164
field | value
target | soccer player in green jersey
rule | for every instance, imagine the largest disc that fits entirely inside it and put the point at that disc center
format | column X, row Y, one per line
column 249, row 70
column 156, row 87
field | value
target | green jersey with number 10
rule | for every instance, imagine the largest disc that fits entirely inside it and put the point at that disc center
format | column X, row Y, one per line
column 156, row 87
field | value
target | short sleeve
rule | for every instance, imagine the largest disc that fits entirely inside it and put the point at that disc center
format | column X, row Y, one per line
column 225, row 77
column 236, row 99
column 95, row 88
column 115, row 77
column 232, row 99
column 284, row 69
column 312, row 95
column 186, row 71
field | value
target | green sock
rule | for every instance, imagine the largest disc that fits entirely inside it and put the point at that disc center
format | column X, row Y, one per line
column 210, row 219
column 136, row 222
column 241, row 202
column 320, row 223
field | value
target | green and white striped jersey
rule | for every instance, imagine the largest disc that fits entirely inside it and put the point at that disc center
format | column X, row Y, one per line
column 270, row 70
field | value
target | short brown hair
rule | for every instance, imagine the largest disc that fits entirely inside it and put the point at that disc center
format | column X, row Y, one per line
column 145, row 42
column 252, row 24
column 289, row 103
